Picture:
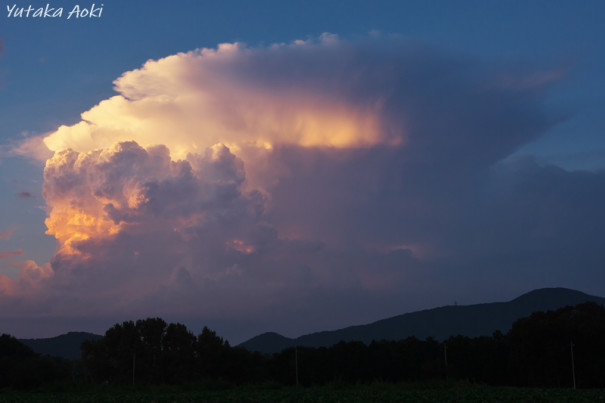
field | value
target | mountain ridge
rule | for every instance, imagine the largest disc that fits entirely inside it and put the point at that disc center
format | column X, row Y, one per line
column 440, row 323
column 65, row 345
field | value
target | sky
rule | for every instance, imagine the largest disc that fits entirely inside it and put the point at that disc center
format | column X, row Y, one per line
column 295, row 166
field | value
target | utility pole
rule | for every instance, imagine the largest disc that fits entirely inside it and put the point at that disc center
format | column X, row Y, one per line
column 573, row 368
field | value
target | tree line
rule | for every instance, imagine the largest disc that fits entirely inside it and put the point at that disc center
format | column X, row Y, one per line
column 546, row 349
column 21, row 368
column 562, row 348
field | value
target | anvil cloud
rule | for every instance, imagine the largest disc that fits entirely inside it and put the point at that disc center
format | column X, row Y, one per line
column 297, row 180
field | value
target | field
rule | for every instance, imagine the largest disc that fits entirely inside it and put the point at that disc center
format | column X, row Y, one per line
column 348, row 393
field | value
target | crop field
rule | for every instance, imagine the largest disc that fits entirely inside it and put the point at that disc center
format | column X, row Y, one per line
column 348, row 393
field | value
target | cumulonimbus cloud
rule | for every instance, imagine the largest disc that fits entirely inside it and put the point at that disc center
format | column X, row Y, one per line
column 229, row 95
column 228, row 181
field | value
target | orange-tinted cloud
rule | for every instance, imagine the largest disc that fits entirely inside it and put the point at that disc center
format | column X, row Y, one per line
column 10, row 254
column 6, row 234
column 191, row 101
column 30, row 283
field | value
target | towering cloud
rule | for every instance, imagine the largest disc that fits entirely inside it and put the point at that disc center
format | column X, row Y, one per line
column 291, row 179
column 237, row 97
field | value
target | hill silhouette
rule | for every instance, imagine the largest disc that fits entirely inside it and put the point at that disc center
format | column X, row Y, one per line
column 65, row 345
column 439, row 323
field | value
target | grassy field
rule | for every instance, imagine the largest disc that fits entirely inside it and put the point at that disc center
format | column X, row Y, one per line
column 349, row 393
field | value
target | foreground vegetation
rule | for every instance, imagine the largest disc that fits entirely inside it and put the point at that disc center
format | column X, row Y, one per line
column 536, row 352
column 389, row 392
column 559, row 350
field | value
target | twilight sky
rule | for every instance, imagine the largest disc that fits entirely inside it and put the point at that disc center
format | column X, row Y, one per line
column 263, row 166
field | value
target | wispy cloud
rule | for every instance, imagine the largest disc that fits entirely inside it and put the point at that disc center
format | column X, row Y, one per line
column 10, row 254
column 25, row 195
column 6, row 234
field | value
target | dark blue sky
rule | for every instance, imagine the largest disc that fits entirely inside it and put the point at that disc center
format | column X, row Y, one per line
column 552, row 52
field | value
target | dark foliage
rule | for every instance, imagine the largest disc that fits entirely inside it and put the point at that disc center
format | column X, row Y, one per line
column 537, row 352
column 541, row 347
column 21, row 368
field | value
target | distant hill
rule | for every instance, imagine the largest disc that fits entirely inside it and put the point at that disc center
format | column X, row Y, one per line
column 65, row 345
column 439, row 323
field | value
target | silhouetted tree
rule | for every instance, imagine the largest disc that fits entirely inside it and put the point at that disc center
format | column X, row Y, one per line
column 210, row 351
column 151, row 333
column 21, row 368
column 178, row 353
column 480, row 360
column 536, row 352
column 541, row 347
column 96, row 362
